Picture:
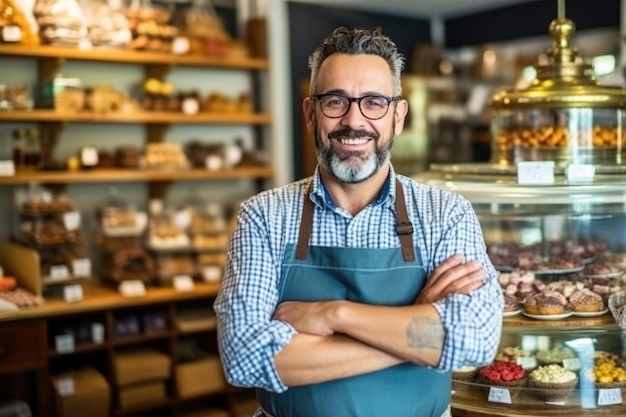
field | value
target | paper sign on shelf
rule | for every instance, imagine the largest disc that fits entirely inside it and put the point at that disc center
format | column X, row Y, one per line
column 609, row 396
column 7, row 168
column 580, row 173
column 64, row 343
column 535, row 172
column 183, row 283
column 499, row 395
column 81, row 268
column 132, row 288
column 73, row 293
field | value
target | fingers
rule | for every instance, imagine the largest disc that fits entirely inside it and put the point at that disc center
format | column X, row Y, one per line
column 452, row 276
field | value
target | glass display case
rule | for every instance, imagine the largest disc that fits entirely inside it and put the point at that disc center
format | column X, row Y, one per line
column 552, row 206
column 570, row 230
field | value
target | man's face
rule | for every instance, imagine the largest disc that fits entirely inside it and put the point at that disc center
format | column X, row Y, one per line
column 352, row 148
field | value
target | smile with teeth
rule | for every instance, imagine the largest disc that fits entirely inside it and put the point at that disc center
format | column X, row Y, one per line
column 349, row 141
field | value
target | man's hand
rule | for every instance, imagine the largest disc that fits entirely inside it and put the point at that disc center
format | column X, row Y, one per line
column 306, row 317
column 452, row 276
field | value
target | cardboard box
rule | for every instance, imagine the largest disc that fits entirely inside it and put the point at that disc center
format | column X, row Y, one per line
column 200, row 377
column 83, row 389
column 130, row 395
column 141, row 365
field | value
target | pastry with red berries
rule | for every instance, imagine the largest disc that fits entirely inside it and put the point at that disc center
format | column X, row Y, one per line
column 504, row 375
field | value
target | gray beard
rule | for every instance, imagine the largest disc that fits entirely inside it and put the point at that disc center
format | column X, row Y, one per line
column 350, row 173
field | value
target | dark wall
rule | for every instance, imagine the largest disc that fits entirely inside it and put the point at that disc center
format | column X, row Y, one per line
column 310, row 24
column 527, row 20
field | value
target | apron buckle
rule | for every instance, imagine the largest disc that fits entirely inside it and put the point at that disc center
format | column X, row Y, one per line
column 404, row 228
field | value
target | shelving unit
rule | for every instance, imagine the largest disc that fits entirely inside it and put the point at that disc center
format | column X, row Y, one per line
column 28, row 355
column 28, row 347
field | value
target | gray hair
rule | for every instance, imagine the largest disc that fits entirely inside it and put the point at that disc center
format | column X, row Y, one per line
column 358, row 41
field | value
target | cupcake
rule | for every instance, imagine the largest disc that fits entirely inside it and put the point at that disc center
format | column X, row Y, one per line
column 462, row 377
column 553, row 382
column 586, row 301
column 503, row 375
column 545, row 303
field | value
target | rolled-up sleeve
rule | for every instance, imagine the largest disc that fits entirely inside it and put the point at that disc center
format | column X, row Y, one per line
column 248, row 338
column 472, row 322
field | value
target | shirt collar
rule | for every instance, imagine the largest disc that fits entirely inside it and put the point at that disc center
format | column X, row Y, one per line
column 322, row 197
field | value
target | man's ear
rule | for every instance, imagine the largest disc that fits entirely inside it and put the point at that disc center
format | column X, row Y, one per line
column 309, row 113
column 399, row 115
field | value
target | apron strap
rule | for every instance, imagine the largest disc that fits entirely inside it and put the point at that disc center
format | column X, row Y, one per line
column 404, row 227
column 306, row 225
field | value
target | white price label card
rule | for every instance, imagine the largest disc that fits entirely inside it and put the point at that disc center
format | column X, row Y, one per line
column 499, row 395
column 7, row 168
column 71, row 220
column 132, row 288
column 73, row 293
column 183, row 283
column 65, row 387
column 527, row 362
column 81, row 267
column 212, row 273
column 59, row 272
column 572, row 364
column 64, row 343
column 610, row 396
column 580, row 172
column 535, row 172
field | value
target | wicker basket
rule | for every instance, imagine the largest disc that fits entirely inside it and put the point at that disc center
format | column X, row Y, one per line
column 553, row 391
column 461, row 380
column 514, row 387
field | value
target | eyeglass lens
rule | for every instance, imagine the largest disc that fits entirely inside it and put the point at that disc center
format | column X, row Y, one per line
column 372, row 107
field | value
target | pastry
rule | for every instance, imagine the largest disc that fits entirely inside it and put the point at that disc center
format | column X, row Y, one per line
column 586, row 300
column 503, row 374
column 545, row 303
column 511, row 303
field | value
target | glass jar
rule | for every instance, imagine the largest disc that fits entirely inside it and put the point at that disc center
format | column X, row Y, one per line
column 563, row 116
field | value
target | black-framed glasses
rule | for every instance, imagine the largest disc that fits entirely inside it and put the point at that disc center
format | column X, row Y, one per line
column 373, row 107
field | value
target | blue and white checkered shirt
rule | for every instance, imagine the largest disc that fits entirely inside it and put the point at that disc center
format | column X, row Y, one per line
column 444, row 224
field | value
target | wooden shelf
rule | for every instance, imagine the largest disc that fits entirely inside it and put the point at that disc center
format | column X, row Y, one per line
column 40, row 115
column 132, row 57
column 140, row 338
column 100, row 297
column 133, row 175
column 90, row 347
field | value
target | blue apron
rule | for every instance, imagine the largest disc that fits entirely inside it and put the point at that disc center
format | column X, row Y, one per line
column 392, row 276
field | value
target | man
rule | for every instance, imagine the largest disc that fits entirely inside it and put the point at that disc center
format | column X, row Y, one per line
column 355, row 292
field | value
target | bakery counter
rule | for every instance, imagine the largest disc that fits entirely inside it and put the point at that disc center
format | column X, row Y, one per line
column 572, row 366
column 560, row 249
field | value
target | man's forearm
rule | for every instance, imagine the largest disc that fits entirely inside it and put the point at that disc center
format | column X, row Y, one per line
column 309, row 359
column 414, row 333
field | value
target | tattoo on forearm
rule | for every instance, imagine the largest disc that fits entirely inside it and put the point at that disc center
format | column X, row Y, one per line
column 425, row 334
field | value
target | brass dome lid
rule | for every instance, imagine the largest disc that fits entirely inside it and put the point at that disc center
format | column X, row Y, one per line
column 564, row 82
